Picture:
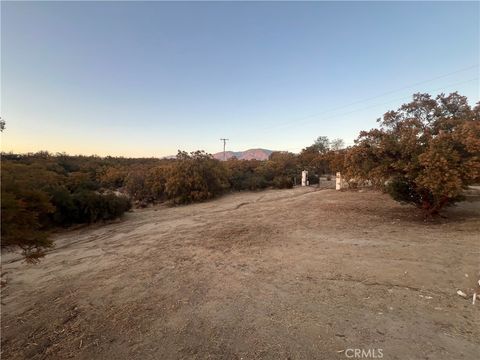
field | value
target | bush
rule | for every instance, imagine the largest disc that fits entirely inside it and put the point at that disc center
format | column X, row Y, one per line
column 156, row 181
column 195, row 177
column 313, row 179
column 26, row 207
column 255, row 182
column 92, row 207
column 66, row 211
column 112, row 177
column 402, row 190
column 41, row 191
column 245, row 174
column 147, row 185
column 135, row 185
column 283, row 182
column 23, row 223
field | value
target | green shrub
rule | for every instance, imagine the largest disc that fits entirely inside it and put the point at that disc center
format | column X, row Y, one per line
column 135, row 185
column 195, row 177
column 313, row 179
column 95, row 207
column 283, row 182
column 66, row 212
column 402, row 190
column 256, row 182
column 244, row 175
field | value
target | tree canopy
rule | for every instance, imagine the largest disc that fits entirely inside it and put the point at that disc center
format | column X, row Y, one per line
column 425, row 153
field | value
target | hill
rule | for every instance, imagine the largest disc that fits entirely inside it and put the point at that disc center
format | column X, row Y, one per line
column 258, row 154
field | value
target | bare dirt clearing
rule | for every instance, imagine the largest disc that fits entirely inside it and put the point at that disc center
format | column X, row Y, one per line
column 300, row 274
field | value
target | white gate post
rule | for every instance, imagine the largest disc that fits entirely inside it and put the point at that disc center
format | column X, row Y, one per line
column 338, row 181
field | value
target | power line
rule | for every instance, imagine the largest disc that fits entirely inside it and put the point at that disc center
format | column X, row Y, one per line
column 371, row 98
column 375, row 97
column 224, row 142
column 375, row 105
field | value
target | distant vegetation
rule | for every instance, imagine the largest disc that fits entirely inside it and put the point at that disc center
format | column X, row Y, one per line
column 43, row 191
column 425, row 154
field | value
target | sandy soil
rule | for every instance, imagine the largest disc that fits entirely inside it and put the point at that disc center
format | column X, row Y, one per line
column 287, row 274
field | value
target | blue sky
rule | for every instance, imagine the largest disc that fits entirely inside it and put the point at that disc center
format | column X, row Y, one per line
column 146, row 79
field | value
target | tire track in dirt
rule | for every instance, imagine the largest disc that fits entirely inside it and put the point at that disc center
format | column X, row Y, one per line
column 250, row 275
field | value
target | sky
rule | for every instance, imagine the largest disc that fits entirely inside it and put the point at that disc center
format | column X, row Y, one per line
column 143, row 79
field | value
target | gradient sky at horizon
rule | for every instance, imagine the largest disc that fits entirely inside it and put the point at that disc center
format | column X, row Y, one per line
column 145, row 79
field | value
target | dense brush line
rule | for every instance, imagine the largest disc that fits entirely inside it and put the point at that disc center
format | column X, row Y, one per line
column 425, row 153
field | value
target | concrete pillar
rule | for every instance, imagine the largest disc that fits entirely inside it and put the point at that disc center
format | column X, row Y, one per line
column 338, row 181
column 304, row 178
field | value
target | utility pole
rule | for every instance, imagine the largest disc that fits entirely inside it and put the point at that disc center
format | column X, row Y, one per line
column 224, row 142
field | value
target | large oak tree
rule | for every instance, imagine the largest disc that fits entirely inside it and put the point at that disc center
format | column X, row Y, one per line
column 425, row 153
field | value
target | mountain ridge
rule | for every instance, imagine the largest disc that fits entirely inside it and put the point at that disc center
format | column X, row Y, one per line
column 250, row 154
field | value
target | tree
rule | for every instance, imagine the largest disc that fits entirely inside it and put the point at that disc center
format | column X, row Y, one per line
column 41, row 191
column 323, row 157
column 425, row 153
column 337, row 144
column 336, row 160
column 2, row 124
column 21, row 223
column 321, row 145
column 26, row 207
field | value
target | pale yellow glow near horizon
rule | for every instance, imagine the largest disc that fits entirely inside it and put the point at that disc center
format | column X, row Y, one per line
column 28, row 143
column 20, row 139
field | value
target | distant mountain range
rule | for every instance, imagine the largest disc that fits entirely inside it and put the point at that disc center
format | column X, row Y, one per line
column 257, row 154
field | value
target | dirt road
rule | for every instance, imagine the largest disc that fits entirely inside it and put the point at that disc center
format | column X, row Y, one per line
column 286, row 274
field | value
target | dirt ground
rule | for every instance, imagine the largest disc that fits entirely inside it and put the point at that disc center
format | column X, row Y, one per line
column 305, row 273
